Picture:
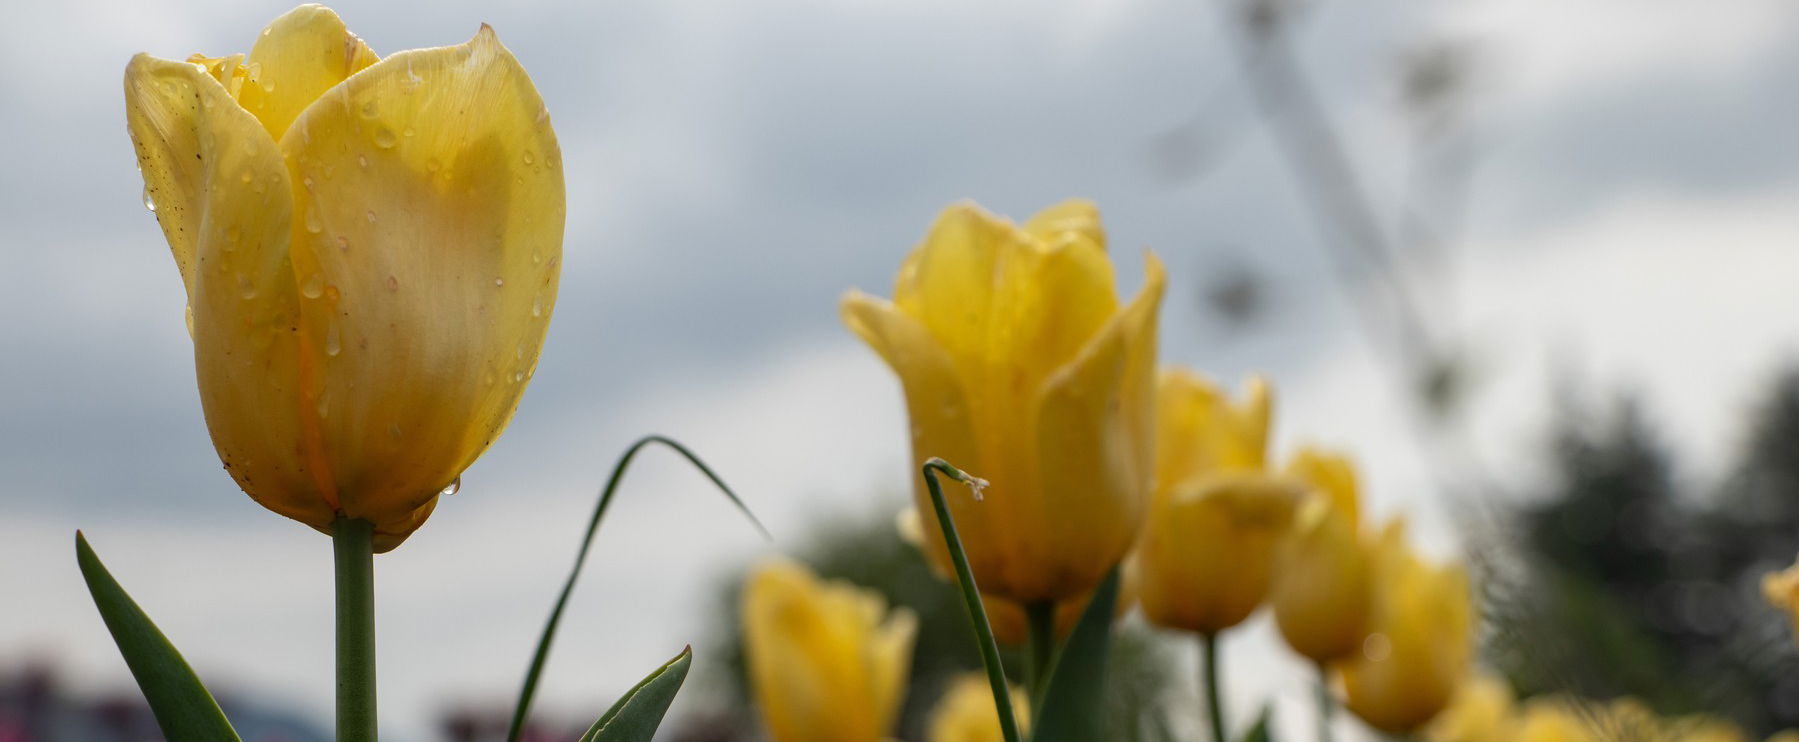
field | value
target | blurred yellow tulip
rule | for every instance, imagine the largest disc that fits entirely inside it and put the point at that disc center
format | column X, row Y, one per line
column 1479, row 711
column 1782, row 589
column 1420, row 644
column 1207, row 553
column 1555, row 720
column 827, row 661
column 1322, row 575
column 967, row 712
column 1020, row 365
column 370, row 249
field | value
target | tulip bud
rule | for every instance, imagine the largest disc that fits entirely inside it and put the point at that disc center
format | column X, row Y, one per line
column 1479, row 711
column 967, row 712
column 370, row 250
column 1322, row 582
column 1420, row 643
column 827, row 661
column 1020, row 365
column 1782, row 590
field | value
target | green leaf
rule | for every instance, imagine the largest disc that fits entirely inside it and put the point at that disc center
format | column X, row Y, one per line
column 1260, row 732
column 541, row 657
column 637, row 715
column 1073, row 704
column 183, row 708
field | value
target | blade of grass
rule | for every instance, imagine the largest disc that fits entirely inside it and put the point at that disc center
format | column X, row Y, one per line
column 541, row 656
column 977, row 612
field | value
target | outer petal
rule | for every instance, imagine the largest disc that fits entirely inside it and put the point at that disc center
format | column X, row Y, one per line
column 1333, row 476
column 1093, row 427
column 427, row 254
column 302, row 54
column 222, row 195
column 1207, row 554
column 941, row 425
column 1322, row 583
column 1076, row 219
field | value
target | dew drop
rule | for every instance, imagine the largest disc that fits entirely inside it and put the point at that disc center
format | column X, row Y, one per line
column 312, row 221
column 333, row 341
column 343, row 244
column 529, row 158
column 322, row 407
column 244, row 287
column 370, row 110
column 518, row 376
column 384, row 138
column 393, row 283
column 332, row 294
column 536, row 257
column 452, row 488
column 537, row 307
column 362, row 160
column 499, row 281
column 313, row 287
column 190, row 330
column 408, row 132
column 149, row 200
column 371, row 216
column 307, row 181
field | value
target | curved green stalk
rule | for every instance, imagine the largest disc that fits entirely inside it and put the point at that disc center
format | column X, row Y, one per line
column 977, row 612
column 542, row 655
column 352, row 544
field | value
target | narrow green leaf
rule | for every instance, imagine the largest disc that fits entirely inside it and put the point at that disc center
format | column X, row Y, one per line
column 1073, row 708
column 1261, row 732
column 971, row 593
column 637, row 715
column 183, row 708
column 542, row 655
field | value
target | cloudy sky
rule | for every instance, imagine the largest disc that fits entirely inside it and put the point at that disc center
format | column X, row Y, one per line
column 732, row 167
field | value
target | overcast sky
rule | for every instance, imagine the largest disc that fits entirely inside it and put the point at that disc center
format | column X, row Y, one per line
column 732, row 167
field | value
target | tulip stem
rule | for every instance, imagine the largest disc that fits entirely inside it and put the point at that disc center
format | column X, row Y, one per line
column 1042, row 622
column 971, row 595
column 1214, row 695
column 1325, row 705
column 353, row 545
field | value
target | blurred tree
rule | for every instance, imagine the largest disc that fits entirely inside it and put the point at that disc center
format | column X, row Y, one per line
column 1617, row 582
column 869, row 552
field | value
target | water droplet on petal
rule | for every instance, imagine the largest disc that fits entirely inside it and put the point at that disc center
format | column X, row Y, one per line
column 333, row 341
column 393, row 283
column 149, row 200
column 343, row 243
column 452, row 488
column 408, row 132
column 536, row 257
column 371, row 216
column 497, row 281
column 362, row 160
column 384, row 138
column 529, row 158
column 312, row 221
column 518, row 376
column 313, row 287
column 370, row 110
column 244, row 287
column 307, row 181
column 190, row 329
column 537, row 306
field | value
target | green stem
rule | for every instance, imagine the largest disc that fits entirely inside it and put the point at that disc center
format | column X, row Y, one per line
column 1214, row 695
column 1325, row 706
column 971, row 595
column 1041, row 618
column 352, row 542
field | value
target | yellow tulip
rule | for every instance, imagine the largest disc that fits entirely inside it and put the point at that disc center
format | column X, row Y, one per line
column 967, row 712
column 1420, row 645
column 827, row 661
column 1322, row 577
column 1555, row 720
column 1782, row 589
column 1019, row 365
column 370, row 250
column 1479, row 711
column 1207, row 553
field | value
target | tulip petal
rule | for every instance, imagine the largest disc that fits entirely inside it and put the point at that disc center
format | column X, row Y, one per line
column 1074, row 219
column 938, row 409
column 221, row 193
column 302, row 54
column 427, row 252
column 1095, row 424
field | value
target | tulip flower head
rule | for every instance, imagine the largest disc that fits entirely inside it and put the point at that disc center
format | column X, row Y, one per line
column 1480, row 711
column 1019, row 364
column 1420, row 645
column 1323, row 567
column 370, row 249
column 1782, row 590
column 827, row 661
column 1207, row 554
column 967, row 712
